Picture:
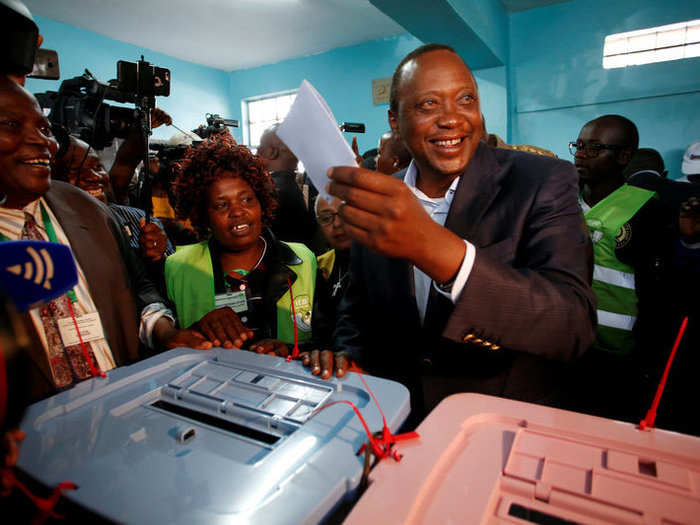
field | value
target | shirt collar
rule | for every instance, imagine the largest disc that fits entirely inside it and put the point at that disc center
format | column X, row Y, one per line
column 411, row 178
column 12, row 220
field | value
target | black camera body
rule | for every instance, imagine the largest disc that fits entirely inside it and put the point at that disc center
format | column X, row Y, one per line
column 168, row 156
column 79, row 106
column 141, row 79
column 215, row 124
column 218, row 123
column 18, row 38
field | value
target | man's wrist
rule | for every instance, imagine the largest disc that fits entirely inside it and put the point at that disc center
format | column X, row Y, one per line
column 443, row 264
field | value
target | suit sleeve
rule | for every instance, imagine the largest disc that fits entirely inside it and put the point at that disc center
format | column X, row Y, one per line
column 348, row 335
column 542, row 303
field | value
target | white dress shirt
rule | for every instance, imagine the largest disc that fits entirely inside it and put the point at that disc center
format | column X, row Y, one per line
column 437, row 208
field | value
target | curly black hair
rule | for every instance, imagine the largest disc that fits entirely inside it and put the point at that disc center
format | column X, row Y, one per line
column 204, row 163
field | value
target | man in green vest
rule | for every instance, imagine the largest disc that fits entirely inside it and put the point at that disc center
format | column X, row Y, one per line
column 626, row 225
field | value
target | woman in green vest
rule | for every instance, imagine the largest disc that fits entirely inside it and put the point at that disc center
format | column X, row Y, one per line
column 240, row 286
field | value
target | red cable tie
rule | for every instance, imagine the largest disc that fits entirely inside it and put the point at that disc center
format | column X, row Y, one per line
column 381, row 447
column 388, row 438
column 95, row 371
column 650, row 418
column 376, row 449
column 45, row 505
column 295, row 350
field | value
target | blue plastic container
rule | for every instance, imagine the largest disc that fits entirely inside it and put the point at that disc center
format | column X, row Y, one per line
column 215, row 437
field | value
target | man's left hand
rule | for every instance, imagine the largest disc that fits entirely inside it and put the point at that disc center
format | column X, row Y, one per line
column 382, row 213
column 326, row 363
column 270, row 347
column 160, row 117
column 153, row 241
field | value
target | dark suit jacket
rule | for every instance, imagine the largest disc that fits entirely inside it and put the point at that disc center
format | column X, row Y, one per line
column 293, row 222
column 528, row 292
column 117, row 280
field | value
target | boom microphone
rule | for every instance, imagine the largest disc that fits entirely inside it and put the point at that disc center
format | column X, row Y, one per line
column 35, row 272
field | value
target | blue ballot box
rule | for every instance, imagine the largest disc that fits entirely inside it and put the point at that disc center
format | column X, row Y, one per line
column 215, row 437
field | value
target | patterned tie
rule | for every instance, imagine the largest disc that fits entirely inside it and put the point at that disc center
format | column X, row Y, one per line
column 70, row 363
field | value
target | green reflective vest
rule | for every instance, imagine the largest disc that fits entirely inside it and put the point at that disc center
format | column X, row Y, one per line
column 613, row 281
column 189, row 277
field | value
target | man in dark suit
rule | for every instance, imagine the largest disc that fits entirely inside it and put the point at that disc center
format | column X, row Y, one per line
column 494, row 300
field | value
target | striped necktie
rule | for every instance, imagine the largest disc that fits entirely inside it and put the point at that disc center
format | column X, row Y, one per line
column 68, row 364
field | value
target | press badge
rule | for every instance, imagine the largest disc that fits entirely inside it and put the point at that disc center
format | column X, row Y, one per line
column 234, row 300
column 89, row 325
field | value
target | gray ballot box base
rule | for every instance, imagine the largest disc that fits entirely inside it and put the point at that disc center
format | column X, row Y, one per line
column 216, row 437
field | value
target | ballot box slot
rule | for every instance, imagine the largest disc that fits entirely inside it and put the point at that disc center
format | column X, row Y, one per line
column 217, row 422
column 537, row 516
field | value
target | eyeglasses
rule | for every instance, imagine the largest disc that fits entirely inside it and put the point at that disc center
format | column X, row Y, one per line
column 327, row 218
column 591, row 149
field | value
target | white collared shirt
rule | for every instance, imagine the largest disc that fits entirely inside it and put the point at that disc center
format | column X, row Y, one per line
column 437, row 208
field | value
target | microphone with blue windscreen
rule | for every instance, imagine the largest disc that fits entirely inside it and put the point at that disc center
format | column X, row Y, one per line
column 35, row 272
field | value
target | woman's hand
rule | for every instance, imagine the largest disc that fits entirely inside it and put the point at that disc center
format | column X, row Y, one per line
column 223, row 328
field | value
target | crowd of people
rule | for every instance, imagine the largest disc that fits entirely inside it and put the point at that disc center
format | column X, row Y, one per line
column 453, row 262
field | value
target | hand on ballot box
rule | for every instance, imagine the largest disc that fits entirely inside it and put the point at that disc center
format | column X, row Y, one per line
column 224, row 328
column 326, row 363
column 270, row 347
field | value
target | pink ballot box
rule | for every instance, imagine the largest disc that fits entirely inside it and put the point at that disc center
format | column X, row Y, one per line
column 488, row 460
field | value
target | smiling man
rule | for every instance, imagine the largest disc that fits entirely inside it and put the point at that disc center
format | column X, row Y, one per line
column 473, row 273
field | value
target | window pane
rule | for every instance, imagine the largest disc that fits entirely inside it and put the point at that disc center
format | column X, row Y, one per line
column 692, row 35
column 264, row 112
column 642, row 42
column 645, row 57
column 671, row 53
column 254, row 110
column 615, row 46
column 692, row 51
column 671, row 38
column 656, row 44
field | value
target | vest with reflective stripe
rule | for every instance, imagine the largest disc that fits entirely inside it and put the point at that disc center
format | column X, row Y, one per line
column 189, row 277
column 613, row 281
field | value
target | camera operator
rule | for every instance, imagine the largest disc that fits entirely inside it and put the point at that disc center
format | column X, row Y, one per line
column 130, row 154
column 78, row 164
column 163, row 165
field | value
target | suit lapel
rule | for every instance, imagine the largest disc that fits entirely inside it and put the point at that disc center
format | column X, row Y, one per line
column 74, row 226
column 477, row 189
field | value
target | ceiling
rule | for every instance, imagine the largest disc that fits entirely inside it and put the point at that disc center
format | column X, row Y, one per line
column 234, row 34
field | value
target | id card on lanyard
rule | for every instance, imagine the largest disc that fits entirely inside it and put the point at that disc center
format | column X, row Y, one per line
column 235, row 300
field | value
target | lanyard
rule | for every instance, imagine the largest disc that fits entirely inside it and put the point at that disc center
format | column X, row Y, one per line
column 51, row 233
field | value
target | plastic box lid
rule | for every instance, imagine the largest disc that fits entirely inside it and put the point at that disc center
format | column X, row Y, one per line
column 488, row 460
column 218, row 436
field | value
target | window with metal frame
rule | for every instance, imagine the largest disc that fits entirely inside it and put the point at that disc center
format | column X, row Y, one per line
column 263, row 111
column 655, row 44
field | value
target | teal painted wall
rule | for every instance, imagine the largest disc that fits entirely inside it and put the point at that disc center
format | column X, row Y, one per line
column 557, row 81
column 489, row 20
column 195, row 90
column 343, row 76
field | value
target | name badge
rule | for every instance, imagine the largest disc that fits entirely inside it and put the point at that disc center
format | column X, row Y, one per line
column 234, row 300
column 89, row 325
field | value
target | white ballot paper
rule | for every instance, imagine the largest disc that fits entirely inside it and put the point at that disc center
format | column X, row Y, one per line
column 312, row 133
